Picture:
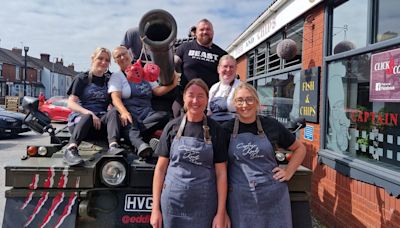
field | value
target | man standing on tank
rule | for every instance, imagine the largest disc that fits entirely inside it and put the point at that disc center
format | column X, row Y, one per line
column 197, row 59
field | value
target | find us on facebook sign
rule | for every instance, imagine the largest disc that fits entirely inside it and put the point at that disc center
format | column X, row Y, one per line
column 385, row 76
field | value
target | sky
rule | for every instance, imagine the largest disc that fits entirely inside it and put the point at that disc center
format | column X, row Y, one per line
column 72, row 29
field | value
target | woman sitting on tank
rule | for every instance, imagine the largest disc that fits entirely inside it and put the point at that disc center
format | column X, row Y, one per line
column 220, row 104
column 132, row 99
column 89, row 101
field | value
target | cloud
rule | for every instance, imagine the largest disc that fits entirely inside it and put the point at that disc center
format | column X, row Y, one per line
column 72, row 29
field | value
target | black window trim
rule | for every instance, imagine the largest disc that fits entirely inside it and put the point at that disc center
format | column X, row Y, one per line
column 375, row 173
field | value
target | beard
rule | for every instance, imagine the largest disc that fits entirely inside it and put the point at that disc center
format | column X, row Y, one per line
column 204, row 40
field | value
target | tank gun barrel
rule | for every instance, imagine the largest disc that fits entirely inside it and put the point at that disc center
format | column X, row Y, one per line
column 158, row 31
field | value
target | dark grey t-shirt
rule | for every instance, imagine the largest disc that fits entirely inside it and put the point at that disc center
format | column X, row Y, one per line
column 219, row 137
column 277, row 134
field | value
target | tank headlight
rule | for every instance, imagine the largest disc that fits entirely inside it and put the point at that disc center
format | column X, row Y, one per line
column 113, row 173
column 42, row 151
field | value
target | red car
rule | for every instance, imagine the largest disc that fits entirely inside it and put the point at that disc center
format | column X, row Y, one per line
column 56, row 109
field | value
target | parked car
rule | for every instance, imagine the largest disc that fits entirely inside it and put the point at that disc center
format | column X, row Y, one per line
column 56, row 109
column 12, row 123
column 56, row 98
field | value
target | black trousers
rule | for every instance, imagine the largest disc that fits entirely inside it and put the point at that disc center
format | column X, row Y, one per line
column 84, row 129
column 138, row 133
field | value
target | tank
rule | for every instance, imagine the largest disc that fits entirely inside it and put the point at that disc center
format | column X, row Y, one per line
column 109, row 190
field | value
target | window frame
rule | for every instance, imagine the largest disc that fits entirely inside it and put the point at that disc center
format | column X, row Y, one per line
column 373, row 172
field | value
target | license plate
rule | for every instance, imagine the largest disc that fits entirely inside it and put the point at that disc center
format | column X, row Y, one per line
column 138, row 202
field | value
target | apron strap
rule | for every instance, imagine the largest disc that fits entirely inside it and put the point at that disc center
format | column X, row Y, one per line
column 206, row 133
column 90, row 76
column 235, row 127
column 181, row 127
column 259, row 128
column 206, row 128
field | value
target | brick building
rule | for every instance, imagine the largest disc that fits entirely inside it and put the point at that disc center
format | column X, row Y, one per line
column 350, row 50
column 52, row 78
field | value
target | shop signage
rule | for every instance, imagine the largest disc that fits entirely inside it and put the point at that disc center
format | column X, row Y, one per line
column 309, row 94
column 272, row 20
column 385, row 76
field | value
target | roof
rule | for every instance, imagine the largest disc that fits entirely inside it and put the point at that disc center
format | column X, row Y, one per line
column 54, row 67
column 12, row 58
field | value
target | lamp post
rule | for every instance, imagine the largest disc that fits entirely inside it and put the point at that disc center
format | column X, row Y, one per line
column 26, row 49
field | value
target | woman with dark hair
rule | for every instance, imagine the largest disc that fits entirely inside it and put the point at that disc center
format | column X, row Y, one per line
column 89, row 101
column 258, row 192
column 189, row 185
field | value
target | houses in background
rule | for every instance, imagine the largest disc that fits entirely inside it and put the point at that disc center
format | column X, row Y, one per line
column 42, row 75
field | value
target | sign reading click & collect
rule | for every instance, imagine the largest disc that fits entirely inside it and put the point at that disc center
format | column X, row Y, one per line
column 385, row 76
column 309, row 94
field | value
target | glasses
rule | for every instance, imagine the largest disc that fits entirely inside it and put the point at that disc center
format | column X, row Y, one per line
column 249, row 100
column 120, row 55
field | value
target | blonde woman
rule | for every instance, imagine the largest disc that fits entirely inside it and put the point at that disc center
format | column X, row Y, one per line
column 89, row 101
column 258, row 192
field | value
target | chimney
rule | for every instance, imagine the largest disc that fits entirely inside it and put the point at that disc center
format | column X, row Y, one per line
column 45, row 57
column 71, row 67
column 17, row 51
column 61, row 61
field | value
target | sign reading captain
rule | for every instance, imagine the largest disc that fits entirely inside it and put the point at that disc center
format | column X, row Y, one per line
column 309, row 94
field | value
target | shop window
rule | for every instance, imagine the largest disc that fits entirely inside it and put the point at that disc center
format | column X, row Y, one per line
column 349, row 26
column 274, row 62
column 279, row 96
column 388, row 26
column 362, row 122
column 17, row 75
column 295, row 33
column 260, row 59
column 250, row 66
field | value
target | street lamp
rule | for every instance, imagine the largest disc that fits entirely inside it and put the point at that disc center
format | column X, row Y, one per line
column 26, row 49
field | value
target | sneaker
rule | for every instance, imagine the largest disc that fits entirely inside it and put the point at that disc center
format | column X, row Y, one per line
column 72, row 157
column 154, row 143
column 145, row 151
column 114, row 149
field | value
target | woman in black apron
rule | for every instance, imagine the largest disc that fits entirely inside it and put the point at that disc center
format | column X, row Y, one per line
column 258, row 193
column 89, row 101
column 190, row 182
column 133, row 102
column 220, row 104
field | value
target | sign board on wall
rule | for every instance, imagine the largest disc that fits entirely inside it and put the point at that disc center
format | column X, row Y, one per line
column 384, row 84
column 269, row 23
column 309, row 94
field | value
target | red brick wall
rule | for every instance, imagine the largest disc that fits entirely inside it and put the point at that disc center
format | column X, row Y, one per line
column 9, row 72
column 337, row 200
column 242, row 67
